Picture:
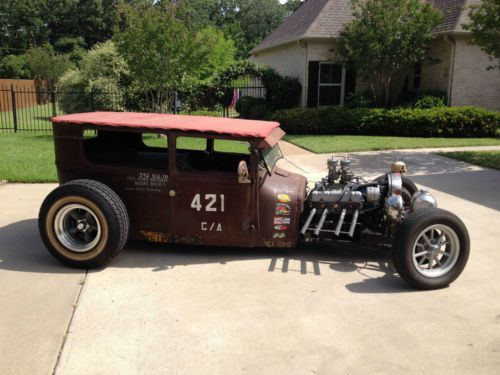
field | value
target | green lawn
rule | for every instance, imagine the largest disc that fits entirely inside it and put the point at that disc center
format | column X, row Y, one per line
column 30, row 157
column 351, row 143
column 488, row 159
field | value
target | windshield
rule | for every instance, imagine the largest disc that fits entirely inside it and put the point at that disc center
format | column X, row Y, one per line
column 271, row 156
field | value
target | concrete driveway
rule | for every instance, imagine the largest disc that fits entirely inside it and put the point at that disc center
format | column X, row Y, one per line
column 182, row 310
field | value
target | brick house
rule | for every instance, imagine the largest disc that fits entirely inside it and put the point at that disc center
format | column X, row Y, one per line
column 304, row 45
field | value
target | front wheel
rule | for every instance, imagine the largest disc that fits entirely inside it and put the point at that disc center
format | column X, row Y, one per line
column 83, row 223
column 431, row 248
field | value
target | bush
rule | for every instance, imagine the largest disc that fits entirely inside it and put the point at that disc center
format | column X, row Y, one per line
column 97, row 85
column 281, row 92
column 430, row 101
column 427, row 99
column 250, row 107
column 433, row 122
column 358, row 100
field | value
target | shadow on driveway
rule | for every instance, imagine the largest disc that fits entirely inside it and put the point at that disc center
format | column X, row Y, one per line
column 22, row 250
column 481, row 187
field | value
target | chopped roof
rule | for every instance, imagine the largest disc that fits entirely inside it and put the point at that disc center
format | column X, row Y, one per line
column 229, row 126
column 317, row 19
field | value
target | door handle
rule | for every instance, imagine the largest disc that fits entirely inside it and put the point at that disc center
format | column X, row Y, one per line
column 172, row 193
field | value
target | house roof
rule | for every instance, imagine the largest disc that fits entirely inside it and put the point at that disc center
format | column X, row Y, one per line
column 218, row 125
column 324, row 19
column 313, row 19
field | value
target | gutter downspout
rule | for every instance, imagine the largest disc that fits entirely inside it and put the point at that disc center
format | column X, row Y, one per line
column 305, row 83
column 451, row 41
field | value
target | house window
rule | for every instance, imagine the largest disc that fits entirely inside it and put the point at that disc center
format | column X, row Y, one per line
column 331, row 84
column 417, row 75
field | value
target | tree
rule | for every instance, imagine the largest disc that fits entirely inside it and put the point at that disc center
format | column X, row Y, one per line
column 65, row 24
column 97, row 84
column 221, row 51
column 292, row 5
column 163, row 52
column 46, row 65
column 485, row 27
column 260, row 18
column 15, row 67
column 22, row 25
column 246, row 22
column 386, row 38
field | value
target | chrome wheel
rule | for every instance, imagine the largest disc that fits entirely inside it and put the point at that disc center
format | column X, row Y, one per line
column 436, row 250
column 77, row 228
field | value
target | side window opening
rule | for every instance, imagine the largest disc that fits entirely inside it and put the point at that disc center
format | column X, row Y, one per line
column 209, row 155
column 130, row 149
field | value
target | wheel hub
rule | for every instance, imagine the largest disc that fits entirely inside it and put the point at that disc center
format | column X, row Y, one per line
column 77, row 228
column 435, row 250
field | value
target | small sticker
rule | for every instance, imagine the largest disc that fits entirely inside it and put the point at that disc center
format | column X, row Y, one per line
column 284, row 198
column 278, row 235
column 280, row 227
column 281, row 220
column 282, row 209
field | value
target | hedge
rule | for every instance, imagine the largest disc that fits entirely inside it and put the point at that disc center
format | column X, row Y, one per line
column 432, row 122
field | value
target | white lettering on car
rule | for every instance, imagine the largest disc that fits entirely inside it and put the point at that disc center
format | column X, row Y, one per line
column 210, row 203
column 211, row 227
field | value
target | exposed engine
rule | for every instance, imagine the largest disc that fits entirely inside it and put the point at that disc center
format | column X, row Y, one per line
column 343, row 205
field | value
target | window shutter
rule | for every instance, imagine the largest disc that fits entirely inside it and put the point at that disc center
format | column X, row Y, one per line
column 350, row 80
column 312, row 84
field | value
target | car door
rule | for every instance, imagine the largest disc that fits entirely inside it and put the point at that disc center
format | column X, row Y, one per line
column 208, row 204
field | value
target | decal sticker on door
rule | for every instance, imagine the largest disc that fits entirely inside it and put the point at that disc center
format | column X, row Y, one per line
column 284, row 198
column 281, row 220
column 282, row 209
column 210, row 203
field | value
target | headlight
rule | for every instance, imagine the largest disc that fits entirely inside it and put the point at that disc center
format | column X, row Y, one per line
column 422, row 200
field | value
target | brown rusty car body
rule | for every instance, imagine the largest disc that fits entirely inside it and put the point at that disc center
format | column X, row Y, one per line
column 189, row 187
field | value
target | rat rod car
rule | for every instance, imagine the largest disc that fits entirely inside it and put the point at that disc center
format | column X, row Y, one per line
column 214, row 181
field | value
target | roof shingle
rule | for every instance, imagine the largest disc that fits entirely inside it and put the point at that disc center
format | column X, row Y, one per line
column 326, row 19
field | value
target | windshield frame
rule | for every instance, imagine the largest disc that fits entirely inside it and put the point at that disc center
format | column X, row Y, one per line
column 270, row 156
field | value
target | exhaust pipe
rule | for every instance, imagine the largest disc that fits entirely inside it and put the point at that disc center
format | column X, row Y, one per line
column 321, row 222
column 308, row 221
column 341, row 221
column 353, row 223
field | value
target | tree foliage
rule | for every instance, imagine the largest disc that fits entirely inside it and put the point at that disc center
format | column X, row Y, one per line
column 160, row 50
column 15, row 67
column 385, row 38
column 45, row 65
column 65, row 24
column 97, row 84
column 485, row 27
column 246, row 22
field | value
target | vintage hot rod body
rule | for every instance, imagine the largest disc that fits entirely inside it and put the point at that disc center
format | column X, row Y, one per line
column 214, row 181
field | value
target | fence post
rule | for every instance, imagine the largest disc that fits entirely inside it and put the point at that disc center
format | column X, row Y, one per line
column 53, row 98
column 14, row 110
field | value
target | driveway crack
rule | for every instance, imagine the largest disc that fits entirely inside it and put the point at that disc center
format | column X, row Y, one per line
column 75, row 305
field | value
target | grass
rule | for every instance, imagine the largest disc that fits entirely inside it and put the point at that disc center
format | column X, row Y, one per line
column 36, row 118
column 488, row 159
column 351, row 143
column 27, row 158
column 30, row 157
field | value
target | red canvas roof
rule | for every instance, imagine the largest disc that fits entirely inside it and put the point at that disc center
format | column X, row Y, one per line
column 220, row 125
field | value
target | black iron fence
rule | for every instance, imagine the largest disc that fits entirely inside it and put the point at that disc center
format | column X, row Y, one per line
column 30, row 110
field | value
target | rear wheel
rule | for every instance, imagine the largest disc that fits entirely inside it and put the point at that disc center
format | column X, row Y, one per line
column 431, row 248
column 83, row 224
